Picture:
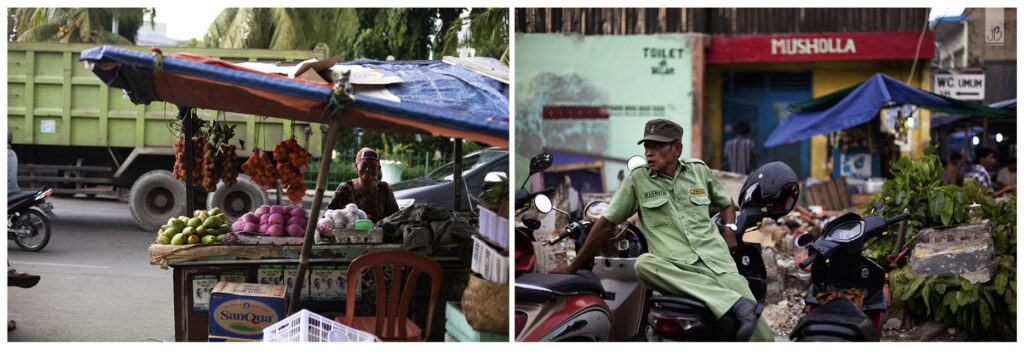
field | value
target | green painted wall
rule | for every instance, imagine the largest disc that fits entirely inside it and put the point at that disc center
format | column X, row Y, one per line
column 639, row 77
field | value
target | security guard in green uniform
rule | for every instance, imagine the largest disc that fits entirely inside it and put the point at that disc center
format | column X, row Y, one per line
column 687, row 254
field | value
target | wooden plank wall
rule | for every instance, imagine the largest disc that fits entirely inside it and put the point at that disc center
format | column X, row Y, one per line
column 623, row 21
column 830, row 195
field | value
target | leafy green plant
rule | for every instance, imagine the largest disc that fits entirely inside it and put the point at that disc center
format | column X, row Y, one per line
column 948, row 298
column 394, row 151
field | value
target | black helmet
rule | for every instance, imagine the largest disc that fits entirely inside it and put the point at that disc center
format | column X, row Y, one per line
column 773, row 188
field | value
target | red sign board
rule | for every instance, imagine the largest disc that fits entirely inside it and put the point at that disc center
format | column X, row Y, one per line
column 820, row 47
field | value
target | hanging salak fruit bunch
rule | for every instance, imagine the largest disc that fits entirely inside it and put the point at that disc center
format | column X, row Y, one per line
column 212, row 169
column 179, row 159
column 221, row 154
column 198, row 152
column 292, row 162
column 230, row 166
column 260, row 169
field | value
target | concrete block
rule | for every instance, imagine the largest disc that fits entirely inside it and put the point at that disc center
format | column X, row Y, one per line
column 966, row 250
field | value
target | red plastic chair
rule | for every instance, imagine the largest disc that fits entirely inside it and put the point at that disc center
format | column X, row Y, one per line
column 392, row 323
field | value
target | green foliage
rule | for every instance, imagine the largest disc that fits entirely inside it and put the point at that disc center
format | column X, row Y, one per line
column 487, row 34
column 400, row 32
column 76, row 25
column 394, row 151
column 373, row 33
column 948, row 298
column 283, row 28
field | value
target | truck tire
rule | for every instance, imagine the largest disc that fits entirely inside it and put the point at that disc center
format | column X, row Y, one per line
column 242, row 197
column 155, row 198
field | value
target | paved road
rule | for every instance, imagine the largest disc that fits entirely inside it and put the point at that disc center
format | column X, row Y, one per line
column 97, row 283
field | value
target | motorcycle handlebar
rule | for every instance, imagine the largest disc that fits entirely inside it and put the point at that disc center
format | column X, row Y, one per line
column 810, row 259
column 897, row 218
column 558, row 238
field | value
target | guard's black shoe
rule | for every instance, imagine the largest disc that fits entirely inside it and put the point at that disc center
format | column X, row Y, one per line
column 746, row 312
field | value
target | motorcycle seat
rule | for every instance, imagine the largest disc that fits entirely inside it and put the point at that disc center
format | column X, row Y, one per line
column 839, row 318
column 536, row 285
column 680, row 306
column 15, row 197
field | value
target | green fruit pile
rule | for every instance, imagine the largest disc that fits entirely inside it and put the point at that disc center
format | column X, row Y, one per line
column 204, row 227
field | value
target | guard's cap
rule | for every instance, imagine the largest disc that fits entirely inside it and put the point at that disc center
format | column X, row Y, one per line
column 662, row 130
column 367, row 155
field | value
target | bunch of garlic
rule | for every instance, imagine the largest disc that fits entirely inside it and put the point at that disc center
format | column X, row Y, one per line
column 342, row 218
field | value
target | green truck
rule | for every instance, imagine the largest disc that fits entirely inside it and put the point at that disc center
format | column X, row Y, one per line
column 77, row 135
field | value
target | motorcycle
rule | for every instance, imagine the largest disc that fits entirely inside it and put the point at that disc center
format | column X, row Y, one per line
column 603, row 301
column 27, row 222
column 525, row 256
column 770, row 191
column 846, row 299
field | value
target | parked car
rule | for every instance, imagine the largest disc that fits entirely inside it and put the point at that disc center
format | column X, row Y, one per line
column 437, row 188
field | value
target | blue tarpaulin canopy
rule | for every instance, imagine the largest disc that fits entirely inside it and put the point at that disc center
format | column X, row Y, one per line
column 431, row 97
column 858, row 104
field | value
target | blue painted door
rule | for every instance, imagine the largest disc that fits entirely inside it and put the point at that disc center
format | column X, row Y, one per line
column 763, row 99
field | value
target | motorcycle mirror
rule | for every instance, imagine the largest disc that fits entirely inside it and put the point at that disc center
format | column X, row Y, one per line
column 543, row 203
column 804, row 240
column 537, row 163
column 635, row 162
column 540, row 162
column 879, row 205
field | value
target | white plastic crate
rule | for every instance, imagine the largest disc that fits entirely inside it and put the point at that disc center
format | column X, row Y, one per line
column 493, row 226
column 307, row 326
column 490, row 263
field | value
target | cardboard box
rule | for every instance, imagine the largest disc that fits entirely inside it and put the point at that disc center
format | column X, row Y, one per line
column 242, row 310
column 317, row 71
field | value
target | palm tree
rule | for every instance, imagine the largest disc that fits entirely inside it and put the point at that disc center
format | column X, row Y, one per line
column 487, row 34
column 282, row 28
column 76, row 25
column 403, row 33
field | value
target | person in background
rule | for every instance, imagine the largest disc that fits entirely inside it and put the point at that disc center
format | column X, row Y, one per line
column 949, row 175
column 1007, row 176
column 984, row 160
column 741, row 151
column 372, row 196
column 18, row 279
column 12, row 165
column 15, row 278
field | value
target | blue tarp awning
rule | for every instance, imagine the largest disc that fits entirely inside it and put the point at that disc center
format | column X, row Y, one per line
column 856, row 105
column 943, row 121
column 432, row 97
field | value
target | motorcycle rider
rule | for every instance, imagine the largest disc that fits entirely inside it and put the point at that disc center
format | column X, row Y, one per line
column 686, row 257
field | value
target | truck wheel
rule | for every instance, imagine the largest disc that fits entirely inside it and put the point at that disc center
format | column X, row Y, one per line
column 155, row 198
column 242, row 197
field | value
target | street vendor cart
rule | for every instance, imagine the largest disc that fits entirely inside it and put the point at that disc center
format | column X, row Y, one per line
column 457, row 98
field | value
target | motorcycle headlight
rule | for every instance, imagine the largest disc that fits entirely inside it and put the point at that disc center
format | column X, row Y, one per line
column 405, row 203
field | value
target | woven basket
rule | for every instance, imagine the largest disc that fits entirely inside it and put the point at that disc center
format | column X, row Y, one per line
column 485, row 305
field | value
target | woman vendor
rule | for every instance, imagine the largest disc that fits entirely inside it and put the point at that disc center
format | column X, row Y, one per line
column 372, row 196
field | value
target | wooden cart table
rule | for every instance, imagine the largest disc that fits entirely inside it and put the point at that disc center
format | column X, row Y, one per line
column 196, row 266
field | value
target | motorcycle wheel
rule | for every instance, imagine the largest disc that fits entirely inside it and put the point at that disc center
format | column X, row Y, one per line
column 40, row 226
